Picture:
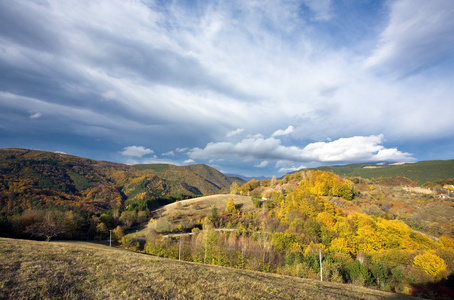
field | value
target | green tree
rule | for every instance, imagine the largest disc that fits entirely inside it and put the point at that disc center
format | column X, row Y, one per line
column 214, row 214
column 256, row 198
column 357, row 273
column 381, row 274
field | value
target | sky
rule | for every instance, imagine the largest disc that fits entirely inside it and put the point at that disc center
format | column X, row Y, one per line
column 253, row 88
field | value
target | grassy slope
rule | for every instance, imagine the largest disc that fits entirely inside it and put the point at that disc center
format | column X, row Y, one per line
column 77, row 270
column 187, row 212
column 421, row 172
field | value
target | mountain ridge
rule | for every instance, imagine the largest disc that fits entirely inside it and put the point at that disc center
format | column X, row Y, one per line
column 30, row 174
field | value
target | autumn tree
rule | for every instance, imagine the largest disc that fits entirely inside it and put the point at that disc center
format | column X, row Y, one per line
column 446, row 241
column 231, row 206
column 118, row 233
column 128, row 218
column 49, row 224
column 102, row 231
column 234, row 188
column 432, row 264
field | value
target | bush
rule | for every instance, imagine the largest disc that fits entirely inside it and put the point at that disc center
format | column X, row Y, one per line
column 381, row 274
column 432, row 264
column 357, row 273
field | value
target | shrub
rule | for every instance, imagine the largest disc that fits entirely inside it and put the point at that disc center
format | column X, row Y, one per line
column 432, row 264
column 381, row 274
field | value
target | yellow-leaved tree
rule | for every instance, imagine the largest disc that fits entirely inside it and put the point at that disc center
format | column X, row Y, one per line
column 431, row 263
column 231, row 206
column 446, row 241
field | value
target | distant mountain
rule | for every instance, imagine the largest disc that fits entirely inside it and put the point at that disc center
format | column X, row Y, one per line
column 247, row 178
column 420, row 172
column 30, row 178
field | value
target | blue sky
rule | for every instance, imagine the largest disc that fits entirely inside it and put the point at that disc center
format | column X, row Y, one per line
column 248, row 87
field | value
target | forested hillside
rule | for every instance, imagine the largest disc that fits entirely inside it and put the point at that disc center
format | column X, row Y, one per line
column 365, row 233
column 420, row 172
column 77, row 192
column 35, row 178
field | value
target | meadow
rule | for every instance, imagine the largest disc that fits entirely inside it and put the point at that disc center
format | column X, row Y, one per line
column 81, row 270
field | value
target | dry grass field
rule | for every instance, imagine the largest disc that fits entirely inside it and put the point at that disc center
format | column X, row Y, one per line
column 80, row 270
column 187, row 213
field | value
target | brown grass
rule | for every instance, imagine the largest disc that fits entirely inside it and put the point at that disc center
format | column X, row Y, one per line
column 206, row 203
column 79, row 270
column 187, row 213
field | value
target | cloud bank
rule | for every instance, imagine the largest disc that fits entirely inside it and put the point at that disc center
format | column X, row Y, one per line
column 222, row 80
column 343, row 150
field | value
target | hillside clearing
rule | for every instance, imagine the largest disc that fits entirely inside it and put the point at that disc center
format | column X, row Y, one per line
column 80, row 270
column 207, row 202
column 188, row 213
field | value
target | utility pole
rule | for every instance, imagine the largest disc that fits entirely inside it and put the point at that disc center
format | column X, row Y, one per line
column 179, row 252
column 110, row 238
column 321, row 269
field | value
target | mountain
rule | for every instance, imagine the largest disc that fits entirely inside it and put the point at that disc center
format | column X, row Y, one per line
column 247, row 178
column 31, row 178
column 421, row 172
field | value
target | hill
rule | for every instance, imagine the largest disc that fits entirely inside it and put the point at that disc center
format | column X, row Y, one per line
column 30, row 178
column 391, row 237
column 420, row 172
column 76, row 270
column 186, row 214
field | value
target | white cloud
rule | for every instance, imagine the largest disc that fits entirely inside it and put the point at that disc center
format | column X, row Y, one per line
column 357, row 148
column 189, row 161
column 290, row 169
column 419, row 34
column 234, row 132
column 181, row 150
column 137, row 151
column 262, row 164
column 343, row 150
column 35, row 115
column 170, row 153
column 281, row 132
